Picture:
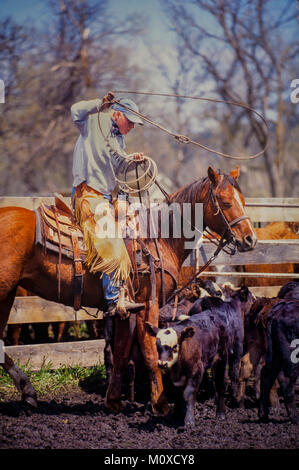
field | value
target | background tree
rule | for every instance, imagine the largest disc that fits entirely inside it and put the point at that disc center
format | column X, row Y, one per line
column 248, row 49
column 79, row 54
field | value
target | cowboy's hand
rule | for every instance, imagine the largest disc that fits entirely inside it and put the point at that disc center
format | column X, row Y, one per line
column 138, row 157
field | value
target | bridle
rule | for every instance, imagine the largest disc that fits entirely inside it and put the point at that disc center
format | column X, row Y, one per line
column 226, row 242
column 227, row 237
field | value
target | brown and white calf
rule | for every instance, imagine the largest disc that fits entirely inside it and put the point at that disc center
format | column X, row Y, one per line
column 212, row 339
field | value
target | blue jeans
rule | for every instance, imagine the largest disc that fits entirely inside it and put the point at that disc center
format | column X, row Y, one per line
column 111, row 290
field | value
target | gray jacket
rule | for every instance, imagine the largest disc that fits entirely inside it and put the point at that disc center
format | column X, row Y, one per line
column 94, row 162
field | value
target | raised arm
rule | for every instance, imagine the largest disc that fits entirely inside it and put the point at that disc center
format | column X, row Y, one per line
column 81, row 110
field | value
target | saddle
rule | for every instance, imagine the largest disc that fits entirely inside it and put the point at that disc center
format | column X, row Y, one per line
column 58, row 232
column 59, row 229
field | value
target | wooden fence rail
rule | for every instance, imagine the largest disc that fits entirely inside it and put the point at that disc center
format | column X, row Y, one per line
column 33, row 309
column 55, row 355
column 258, row 209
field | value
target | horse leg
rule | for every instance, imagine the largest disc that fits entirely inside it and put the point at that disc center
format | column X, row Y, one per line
column 60, row 330
column 91, row 326
column 108, row 349
column 131, row 379
column 13, row 334
column 121, row 354
column 148, row 348
column 20, row 379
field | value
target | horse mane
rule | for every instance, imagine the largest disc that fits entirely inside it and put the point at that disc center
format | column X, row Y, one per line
column 190, row 192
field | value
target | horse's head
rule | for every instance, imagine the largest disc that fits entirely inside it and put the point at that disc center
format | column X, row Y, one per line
column 224, row 210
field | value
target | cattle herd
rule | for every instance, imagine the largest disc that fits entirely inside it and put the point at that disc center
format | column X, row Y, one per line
column 227, row 334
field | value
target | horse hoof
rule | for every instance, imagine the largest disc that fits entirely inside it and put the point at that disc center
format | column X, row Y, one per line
column 264, row 418
column 114, row 405
column 294, row 419
column 189, row 425
column 160, row 409
column 220, row 415
column 32, row 401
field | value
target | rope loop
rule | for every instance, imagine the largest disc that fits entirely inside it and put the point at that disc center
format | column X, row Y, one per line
column 186, row 140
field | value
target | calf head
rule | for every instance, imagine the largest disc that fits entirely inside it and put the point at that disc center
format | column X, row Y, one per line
column 211, row 288
column 168, row 342
column 245, row 297
column 228, row 289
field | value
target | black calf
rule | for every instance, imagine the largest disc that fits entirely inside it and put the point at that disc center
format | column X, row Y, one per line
column 281, row 360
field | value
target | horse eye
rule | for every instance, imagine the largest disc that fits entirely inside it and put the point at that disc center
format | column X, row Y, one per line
column 227, row 205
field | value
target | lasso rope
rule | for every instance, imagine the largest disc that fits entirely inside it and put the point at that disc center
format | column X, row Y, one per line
column 186, row 140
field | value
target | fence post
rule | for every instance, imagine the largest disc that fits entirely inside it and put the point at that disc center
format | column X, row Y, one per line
column 2, row 360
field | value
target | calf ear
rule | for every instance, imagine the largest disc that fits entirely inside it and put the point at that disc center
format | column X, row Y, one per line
column 151, row 329
column 187, row 332
column 243, row 293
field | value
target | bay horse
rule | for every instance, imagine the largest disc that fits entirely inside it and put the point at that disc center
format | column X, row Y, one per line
column 25, row 264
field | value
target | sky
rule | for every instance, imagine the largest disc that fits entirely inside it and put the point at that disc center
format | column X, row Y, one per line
column 23, row 10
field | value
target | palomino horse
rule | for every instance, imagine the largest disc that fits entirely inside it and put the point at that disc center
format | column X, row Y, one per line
column 22, row 263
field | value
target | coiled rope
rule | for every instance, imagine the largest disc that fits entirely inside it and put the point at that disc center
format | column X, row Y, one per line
column 141, row 182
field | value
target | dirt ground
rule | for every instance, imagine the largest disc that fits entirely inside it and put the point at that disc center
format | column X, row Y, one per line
column 78, row 419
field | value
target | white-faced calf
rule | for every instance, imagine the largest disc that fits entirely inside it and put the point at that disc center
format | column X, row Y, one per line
column 185, row 351
column 210, row 339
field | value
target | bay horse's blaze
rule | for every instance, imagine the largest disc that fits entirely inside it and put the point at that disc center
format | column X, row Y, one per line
column 24, row 264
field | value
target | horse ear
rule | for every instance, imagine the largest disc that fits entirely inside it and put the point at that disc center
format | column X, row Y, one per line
column 235, row 173
column 213, row 176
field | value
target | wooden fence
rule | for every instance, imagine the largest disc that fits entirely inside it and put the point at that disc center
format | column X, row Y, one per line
column 33, row 309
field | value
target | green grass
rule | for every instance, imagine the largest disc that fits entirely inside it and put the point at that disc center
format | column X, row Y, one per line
column 53, row 381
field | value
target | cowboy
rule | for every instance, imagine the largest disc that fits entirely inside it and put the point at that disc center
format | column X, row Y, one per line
column 99, row 151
